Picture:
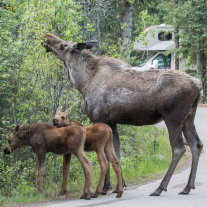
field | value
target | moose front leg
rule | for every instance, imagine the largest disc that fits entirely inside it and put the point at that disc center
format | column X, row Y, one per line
column 116, row 142
column 40, row 170
column 66, row 166
column 37, row 172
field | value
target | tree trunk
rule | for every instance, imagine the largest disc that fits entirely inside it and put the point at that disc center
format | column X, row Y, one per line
column 176, row 40
column 198, row 61
column 127, row 31
column 203, row 75
column 99, row 34
column 176, row 60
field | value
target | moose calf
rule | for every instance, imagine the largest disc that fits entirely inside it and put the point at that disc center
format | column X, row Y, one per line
column 44, row 138
column 99, row 138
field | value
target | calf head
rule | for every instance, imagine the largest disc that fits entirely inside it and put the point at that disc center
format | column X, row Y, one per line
column 63, row 49
column 15, row 140
column 61, row 118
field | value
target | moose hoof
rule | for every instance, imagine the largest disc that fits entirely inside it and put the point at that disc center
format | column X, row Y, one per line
column 155, row 194
column 115, row 191
column 89, row 196
column 105, row 190
column 185, row 191
column 63, row 193
column 158, row 191
column 95, row 195
column 119, row 195
column 83, row 196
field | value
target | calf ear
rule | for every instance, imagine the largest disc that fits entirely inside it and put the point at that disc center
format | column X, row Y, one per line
column 84, row 45
column 17, row 128
column 68, row 111
column 58, row 109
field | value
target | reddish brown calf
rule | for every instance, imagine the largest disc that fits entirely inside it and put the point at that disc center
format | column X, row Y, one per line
column 99, row 138
column 44, row 138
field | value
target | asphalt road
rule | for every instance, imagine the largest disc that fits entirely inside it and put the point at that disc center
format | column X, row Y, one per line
column 139, row 196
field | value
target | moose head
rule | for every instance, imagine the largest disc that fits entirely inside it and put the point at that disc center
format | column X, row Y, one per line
column 61, row 118
column 63, row 49
column 15, row 140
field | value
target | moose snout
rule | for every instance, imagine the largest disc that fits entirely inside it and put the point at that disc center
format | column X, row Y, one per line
column 7, row 151
column 55, row 122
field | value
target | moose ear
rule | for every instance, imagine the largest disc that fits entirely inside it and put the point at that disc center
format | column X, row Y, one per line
column 17, row 128
column 68, row 111
column 78, row 47
column 91, row 43
column 84, row 45
column 58, row 109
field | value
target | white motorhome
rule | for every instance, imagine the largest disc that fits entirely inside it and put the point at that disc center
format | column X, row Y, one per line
column 159, row 39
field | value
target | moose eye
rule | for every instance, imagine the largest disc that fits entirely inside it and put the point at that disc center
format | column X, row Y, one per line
column 62, row 117
column 63, row 46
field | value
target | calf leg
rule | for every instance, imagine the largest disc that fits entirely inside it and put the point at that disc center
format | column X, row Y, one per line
column 116, row 143
column 66, row 166
column 41, row 170
column 107, row 181
column 87, row 167
column 196, row 147
column 117, row 168
column 36, row 170
column 178, row 149
column 104, row 166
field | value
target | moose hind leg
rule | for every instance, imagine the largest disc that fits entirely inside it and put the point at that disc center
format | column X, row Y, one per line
column 196, row 147
column 117, row 168
column 178, row 150
column 104, row 166
column 116, row 142
column 87, row 167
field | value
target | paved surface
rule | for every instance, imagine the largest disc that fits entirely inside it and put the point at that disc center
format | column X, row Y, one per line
column 140, row 195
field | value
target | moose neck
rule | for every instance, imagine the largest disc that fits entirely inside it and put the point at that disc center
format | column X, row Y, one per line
column 26, row 135
column 81, row 69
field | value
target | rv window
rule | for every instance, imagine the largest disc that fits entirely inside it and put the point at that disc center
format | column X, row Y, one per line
column 162, row 36
column 164, row 61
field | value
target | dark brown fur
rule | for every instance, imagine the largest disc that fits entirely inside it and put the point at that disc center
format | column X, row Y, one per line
column 43, row 138
column 115, row 93
column 99, row 138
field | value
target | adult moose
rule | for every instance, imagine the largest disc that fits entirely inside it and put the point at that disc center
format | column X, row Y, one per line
column 115, row 93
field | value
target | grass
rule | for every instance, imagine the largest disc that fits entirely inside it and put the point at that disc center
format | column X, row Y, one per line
column 146, row 155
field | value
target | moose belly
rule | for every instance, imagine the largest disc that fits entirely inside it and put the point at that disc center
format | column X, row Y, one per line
column 58, row 148
column 56, row 142
column 125, row 108
column 135, row 116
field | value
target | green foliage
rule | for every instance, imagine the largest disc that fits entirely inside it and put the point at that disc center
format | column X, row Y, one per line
column 192, row 20
column 148, row 150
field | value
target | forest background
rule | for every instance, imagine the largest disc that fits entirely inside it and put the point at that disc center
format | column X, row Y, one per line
column 33, row 83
